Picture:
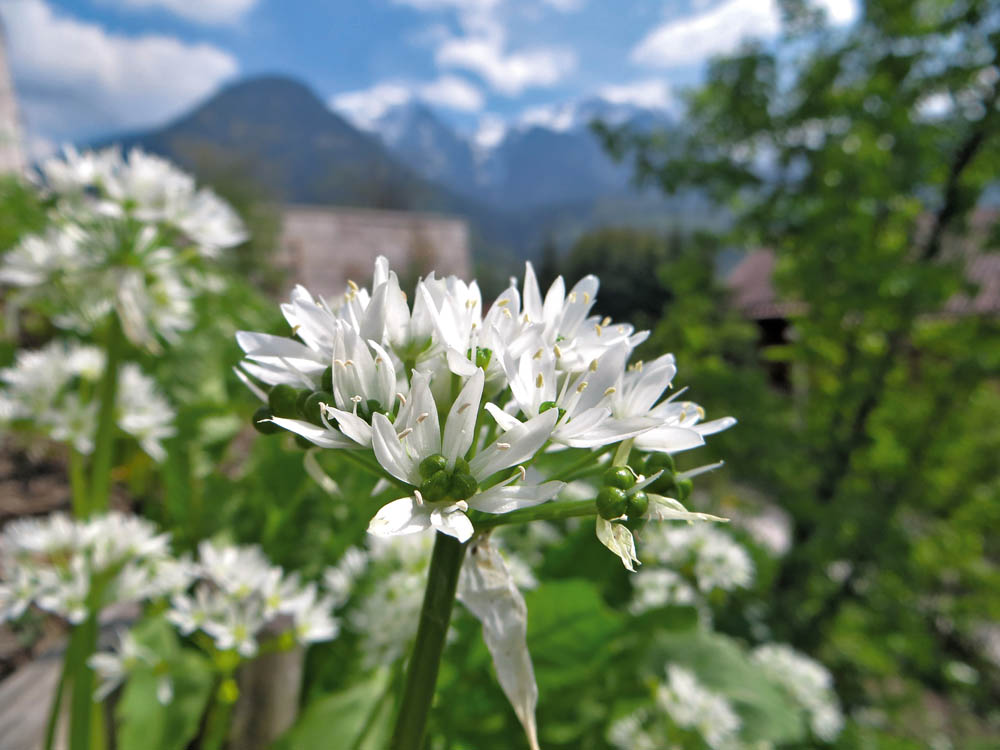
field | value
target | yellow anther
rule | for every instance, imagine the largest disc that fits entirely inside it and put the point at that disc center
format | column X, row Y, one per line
column 593, row 366
column 597, row 329
column 572, row 296
column 586, row 297
column 503, row 302
column 539, row 381
column 422, row 417
column 463, row 407
column 538, row 354
column 402, row 398
column 503, row 446
column 582, row 387
column 295, row 329
column 354, row 287
column 606, row 322
column 557, row 351
column 405, row 432
column 609, row 390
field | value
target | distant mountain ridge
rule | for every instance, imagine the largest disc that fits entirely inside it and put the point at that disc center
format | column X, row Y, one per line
column 536, row 184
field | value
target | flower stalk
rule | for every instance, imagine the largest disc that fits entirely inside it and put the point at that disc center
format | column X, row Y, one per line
column 105, row 441
column 435, row 616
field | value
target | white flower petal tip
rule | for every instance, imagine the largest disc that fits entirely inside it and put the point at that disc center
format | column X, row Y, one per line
column 403, row 516
column 487, row 589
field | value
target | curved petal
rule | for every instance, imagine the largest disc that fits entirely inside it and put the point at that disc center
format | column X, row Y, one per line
column 460, row 425
column 403, row 516
column 317, row 435
column 505, row 498
column 515, row 445
column 452, row 522
column 716, row 425
column 390, row 451
column 619, row 540
column 351, row 425
column 669, row 440
column 502, row 418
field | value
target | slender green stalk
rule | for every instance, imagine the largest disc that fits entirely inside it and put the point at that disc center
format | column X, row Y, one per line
column 556, row 511
column 107, row 393
column 78, row 481
column 83, row 644
column 217, row 724
column 422, row 671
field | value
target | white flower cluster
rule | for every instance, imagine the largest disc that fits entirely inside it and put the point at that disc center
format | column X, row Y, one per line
column 240, row 598
column 114, row 241
column 693, row 706
column 116, row 666
column 451, row 401
column 808, row 682
column 53, row 389
column 716, row 560
column 71, row 568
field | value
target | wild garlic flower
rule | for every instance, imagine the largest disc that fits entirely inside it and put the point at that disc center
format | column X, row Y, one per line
column 115, row 667
column 452, row 402
column 808, row 682
column 693, row 706
column 126, row 236
column 241, row 597
column 716, row 560
column 51, row 391
column 72, row 568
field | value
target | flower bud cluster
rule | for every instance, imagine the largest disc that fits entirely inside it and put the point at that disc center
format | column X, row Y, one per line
column 240, row 597
column 451, row 402
column 117, row 231
column 51, row 391
column 73, row 568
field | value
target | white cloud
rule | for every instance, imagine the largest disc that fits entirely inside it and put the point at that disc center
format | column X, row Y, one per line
column 558, row 117
column 721, row 29
column 454, row 93
column 366, row 106
column 199, row 11
column 565, row 6
column 492, row 128
column 649, row 94
column 509, row 73
column 77, row 79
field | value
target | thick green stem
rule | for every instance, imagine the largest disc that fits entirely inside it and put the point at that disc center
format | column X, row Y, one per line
column 217, row 724
column 556, row 511
column 422, row 671
column 107, row 393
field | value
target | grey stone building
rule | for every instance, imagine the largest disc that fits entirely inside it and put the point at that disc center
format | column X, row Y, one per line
column 11, row 144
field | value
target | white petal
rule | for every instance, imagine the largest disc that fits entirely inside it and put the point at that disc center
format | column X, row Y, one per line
column 351, row 425
column 502, row 418
column 619, row 540
column 532, row 296
column 668, row 509
column 422, row 417
column 317, row 435
column 610, row 431
column 487, row 589
column 403, row 516
column 390, row 452
column 254, row 388
column 504, row 498
column 669, row 440
column 522, row 442
column 452, row 522
column 716, row 425
column 458, row 428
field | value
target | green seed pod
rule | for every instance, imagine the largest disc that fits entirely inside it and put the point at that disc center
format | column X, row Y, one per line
column 611, row 502
column 432, row 465
column 462, row 486
column 666, row 485
column 657, row 461
column 545, row 406
column 282, row 400
column 312, row 408
column 300, row 402
column 263, row 427
column 436, row 486
column 326, row 382
column 483, row 357
column 461, row 466
column 620, row 477
column 685, row 486
column 638, row 504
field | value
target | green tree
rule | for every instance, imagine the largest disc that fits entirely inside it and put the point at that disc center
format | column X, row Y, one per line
column 858, row 156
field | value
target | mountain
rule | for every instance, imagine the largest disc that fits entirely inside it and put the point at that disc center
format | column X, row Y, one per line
column 277, row 132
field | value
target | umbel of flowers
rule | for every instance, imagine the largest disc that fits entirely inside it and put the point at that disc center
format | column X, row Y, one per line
column 480, row 417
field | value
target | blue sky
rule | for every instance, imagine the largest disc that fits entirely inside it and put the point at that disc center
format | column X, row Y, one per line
column 90, row 67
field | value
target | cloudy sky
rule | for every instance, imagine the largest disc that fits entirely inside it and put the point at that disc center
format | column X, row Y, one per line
column 90, row 67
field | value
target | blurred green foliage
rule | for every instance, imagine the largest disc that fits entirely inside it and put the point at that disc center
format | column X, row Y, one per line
column 882, row 444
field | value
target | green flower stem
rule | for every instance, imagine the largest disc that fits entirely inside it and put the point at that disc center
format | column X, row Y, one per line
column 622, row 454
column 78, row 481
column 107, row 393
column 83, row 643
column 555, row 511
column 57, row 698
column 217, row 724
column 422, row 671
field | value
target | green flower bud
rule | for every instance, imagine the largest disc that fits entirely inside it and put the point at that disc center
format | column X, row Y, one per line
column 263, row 427
column 326, row 382
column 638, row 504
column 546, row 405
column 312, row 408
column 483, row 357
column 462, row 486
column 300, row 402
column 436, row 486
column 282, row 400
column 620, row 477
column 611, row 502
column 432, row 465
column 685, row 486
column 657, row 461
